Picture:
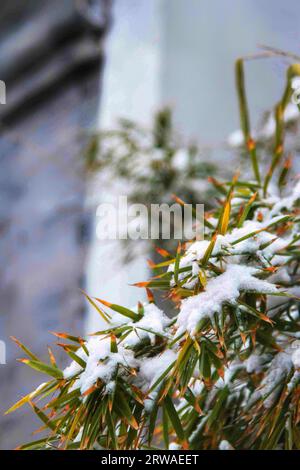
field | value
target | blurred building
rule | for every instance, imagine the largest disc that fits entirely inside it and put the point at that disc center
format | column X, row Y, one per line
column 51, row 61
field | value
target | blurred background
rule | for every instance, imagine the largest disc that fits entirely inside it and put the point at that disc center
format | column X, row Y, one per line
column 72, row 68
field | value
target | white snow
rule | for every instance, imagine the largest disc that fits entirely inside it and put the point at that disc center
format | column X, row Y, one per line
column 101, row 363
column 152, row 368
column 255, row 363
column 291, row 113
column 181, row 159
column 295, row 83
column 236, row 138
column 296, row 358
column 229, row 375
column 278, row 370
column 174, row 446
column 153, row 319
column 195, row 252
column 225, row 445
column 224, row 288
column 226, row 244
column 286, row 202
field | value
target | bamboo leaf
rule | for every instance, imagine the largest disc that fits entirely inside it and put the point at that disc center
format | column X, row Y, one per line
column 38, row 391
column 44, row 368
column 176, row 265
column 122, row 310
column 103, row 315
column 209, row 250
column 113, row 344
column 25, row 349
column 174, row 418
column 44, row 418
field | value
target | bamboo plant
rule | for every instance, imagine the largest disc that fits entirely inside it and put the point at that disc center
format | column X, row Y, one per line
column 152, row 164
column 224, row 372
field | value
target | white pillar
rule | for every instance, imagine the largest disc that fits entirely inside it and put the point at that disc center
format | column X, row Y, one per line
column 130, row 90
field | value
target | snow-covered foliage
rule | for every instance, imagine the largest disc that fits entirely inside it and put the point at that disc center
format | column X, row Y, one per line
column 224, row 371
column 150, row 165
column 223, row 289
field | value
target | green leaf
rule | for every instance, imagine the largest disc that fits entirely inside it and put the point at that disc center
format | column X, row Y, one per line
column 165, row 424
column 25, row 349
column 111, row 430
column 246, row 210
column 44, row 368
column 152, row 422
column 204, row 364
column 122, row 310
column 174, row 418
column 101, row 313
column 77, row 359
column 243, row 105
column 209, row 250
column 176, row 264
column 44, row 418
column 122, row 408
column 38, row 444
column 113, row 344
column 161, row 377
column 38, row 391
